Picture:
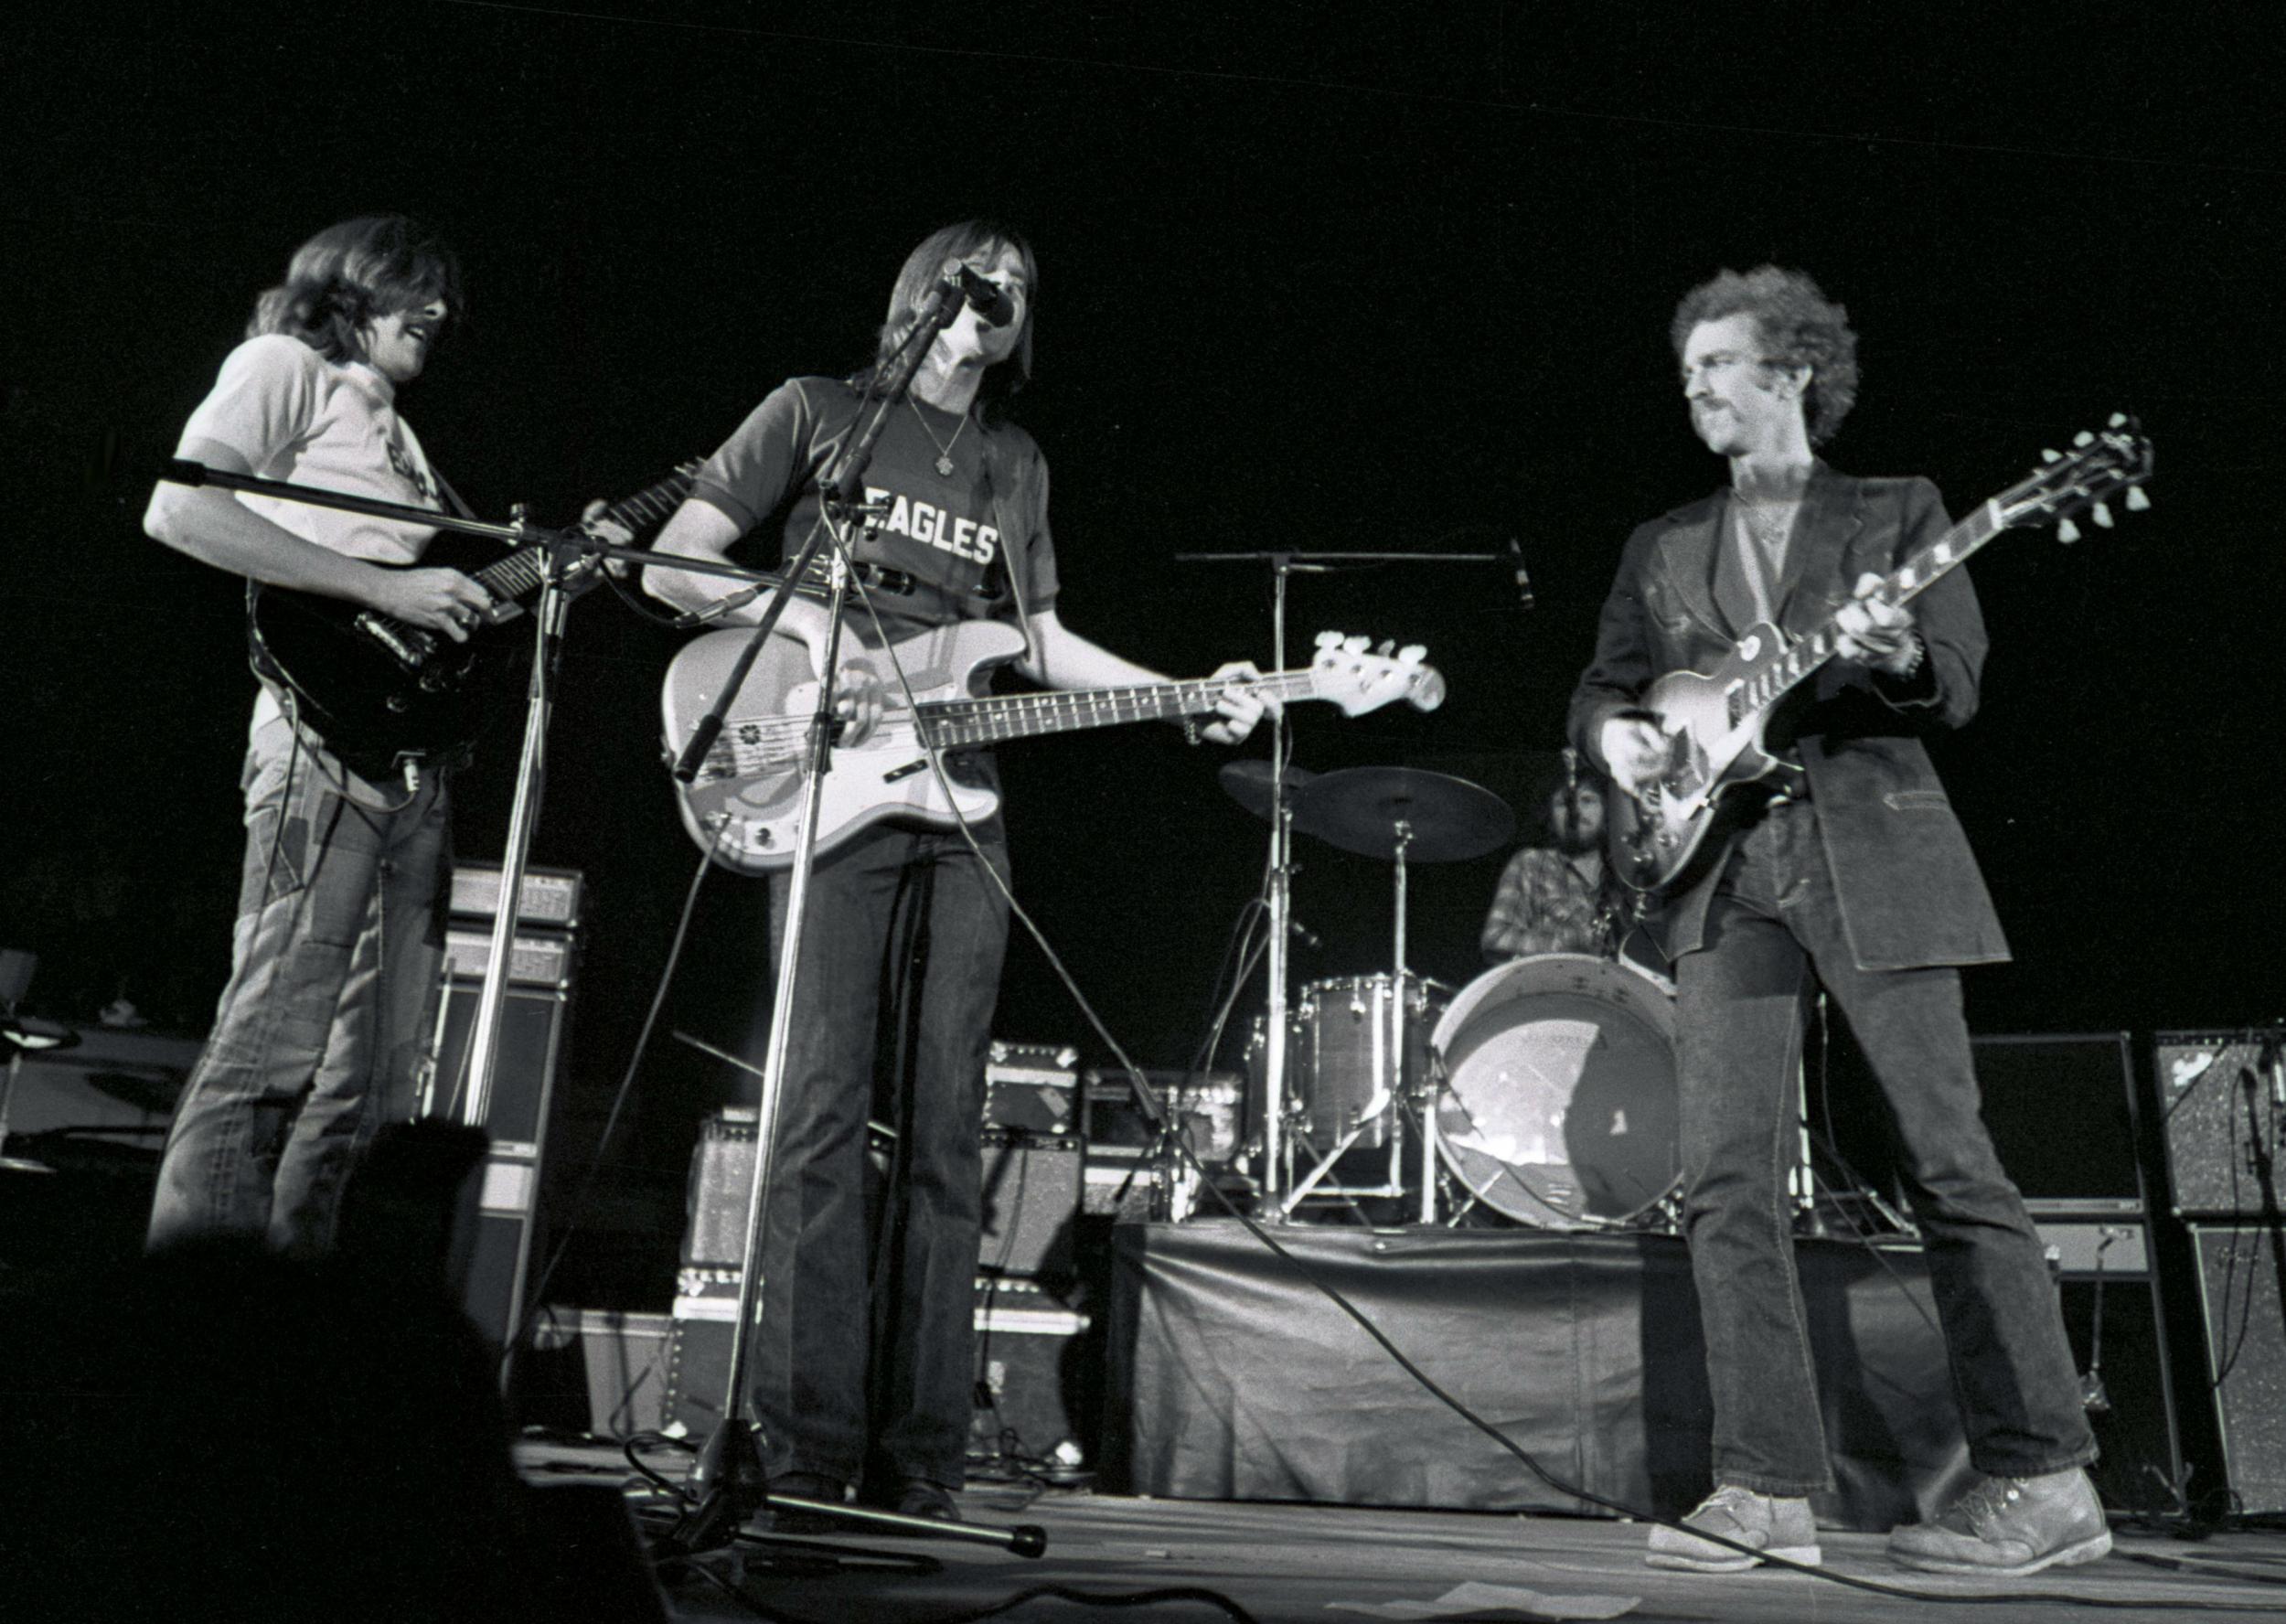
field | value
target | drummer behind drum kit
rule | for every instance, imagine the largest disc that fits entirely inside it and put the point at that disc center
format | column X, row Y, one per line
column 1544, row 1089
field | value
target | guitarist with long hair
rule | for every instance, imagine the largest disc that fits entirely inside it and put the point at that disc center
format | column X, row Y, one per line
column 1842, row 861
column 863, row 1373
column 336, row 948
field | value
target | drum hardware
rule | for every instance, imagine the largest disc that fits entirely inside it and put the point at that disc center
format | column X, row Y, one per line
column 1401, row 815
column 1284, row 564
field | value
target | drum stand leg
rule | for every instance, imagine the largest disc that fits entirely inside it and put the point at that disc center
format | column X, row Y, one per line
column 1310, row 1181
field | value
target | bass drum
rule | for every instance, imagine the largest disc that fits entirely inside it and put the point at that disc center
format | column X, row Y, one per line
column 1559, row 1106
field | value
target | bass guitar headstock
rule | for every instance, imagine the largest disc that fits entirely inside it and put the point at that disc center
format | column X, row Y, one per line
column 1359, row 678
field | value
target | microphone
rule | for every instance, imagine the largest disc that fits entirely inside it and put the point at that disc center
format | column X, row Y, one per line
column 1524, row 580
column 988, row 299
column 719, row 608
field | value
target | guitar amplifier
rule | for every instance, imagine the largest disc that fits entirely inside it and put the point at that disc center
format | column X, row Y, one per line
column 533, row 960
column 1031, row 1089
column 2223, row 1103
column 552, row 896
column 1031, row 1205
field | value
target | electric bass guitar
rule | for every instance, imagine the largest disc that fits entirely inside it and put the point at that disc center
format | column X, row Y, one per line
column 744, row 803
column 382, row 693
column 1715, row 720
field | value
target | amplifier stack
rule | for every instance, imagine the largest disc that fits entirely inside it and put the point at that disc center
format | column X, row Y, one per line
column 534, row 1023
column 2223, row 1103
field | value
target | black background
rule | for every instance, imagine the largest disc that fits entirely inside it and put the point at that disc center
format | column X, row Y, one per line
column 1309, row 281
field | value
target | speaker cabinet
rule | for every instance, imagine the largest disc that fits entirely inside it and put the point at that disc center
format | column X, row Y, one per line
column 1032, row 1204
column 534, row 1023
column 2114, row 1318
column 2241, row 1268
column 2223, row 1101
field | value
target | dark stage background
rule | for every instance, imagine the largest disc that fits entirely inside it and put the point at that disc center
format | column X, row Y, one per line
column 1307, row 283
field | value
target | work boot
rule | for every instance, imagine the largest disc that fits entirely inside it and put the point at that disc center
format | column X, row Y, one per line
column 1772, row 1525
column 2010, row 1527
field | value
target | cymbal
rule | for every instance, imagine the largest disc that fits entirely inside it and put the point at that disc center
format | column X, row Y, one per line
column 1450, row 819
column 1249, row 783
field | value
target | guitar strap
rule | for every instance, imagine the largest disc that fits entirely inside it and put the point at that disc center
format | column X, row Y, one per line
column 460, row 509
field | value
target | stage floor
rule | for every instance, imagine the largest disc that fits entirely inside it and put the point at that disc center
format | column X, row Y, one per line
column 1321, row 1563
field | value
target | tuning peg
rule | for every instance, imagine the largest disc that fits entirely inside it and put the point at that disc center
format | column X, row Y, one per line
column 2051, row 457
column 1413, row 654
column 1329, row 639
column 2137, row 502
column 1356, row 644
column 1388, row 646
column 2118, row 421
column 2083, row 438
column 2102, row 514
column 2065, row 530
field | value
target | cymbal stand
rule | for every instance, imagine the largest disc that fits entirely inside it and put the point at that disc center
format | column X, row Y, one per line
column 1276, row 1203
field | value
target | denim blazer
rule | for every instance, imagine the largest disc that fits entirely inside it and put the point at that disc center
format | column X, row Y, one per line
column 1908, row 886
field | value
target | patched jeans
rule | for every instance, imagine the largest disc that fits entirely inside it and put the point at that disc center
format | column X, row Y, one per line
column 333, row 969
column 902, row 957
column 1739, row 1009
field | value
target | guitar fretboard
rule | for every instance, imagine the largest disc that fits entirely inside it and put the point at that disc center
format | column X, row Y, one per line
column 1908, row 581
column 752, row 746
column 522, row 571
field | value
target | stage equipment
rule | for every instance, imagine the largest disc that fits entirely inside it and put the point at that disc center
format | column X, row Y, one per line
column 1032, row 1088
column 2242, row 1289
column 20, row 1037
column 1560, row 1109
column 2222, row 1099
column 534, row 1033
column 1031, row 1199
column 1036, row 1391
column 2108, row 1289
column 1274, row 1202
column 1233, row 1377
column 1398, row 815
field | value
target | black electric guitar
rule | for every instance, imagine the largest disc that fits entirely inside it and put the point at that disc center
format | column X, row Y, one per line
column 1715, row 720
column 382, row 693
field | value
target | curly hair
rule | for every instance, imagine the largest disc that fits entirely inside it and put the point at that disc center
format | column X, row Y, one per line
column 959, row 241
column 1799, row 326
column 353, row 274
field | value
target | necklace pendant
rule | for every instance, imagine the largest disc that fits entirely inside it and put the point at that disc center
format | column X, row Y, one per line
column 945, row 466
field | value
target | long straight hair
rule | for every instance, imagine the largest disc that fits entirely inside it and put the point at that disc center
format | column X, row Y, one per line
column 922, row 266
column 356, row 273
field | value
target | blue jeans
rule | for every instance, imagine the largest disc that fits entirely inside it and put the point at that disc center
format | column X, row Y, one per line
column 1739, row 1009
column 334, row 968
column 901, row 960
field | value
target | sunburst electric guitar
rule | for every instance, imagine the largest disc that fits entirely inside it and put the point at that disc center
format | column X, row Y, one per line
column 744, row 803
column 380, row 692
column 1715, row 720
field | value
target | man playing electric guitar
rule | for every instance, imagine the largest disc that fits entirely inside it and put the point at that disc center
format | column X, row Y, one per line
column 913, row 915
column 1843, row 861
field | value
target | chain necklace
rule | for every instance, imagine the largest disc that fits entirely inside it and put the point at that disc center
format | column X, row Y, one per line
column 943, row 447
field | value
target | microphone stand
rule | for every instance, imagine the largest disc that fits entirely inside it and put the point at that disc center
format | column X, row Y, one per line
column 1272, row 1204
column 566, row 550
column 727, row 1477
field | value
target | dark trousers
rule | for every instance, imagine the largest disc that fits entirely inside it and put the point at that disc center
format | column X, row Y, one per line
column 901, row 960
column 1739, row 1002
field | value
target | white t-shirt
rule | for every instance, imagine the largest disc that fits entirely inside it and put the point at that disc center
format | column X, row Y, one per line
column 292, row 415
